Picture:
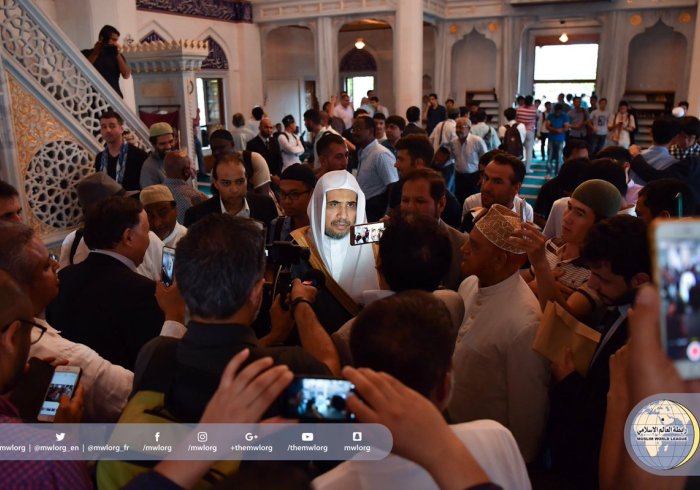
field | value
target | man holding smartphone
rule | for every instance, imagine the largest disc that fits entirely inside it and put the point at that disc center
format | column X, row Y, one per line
column 16, row 335
column 107, row 57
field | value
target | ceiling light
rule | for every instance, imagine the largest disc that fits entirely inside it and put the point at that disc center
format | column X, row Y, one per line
column 564, row 38
column 360, row 43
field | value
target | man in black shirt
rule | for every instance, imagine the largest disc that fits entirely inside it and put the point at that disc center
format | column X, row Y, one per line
column 221, row 281
column 107, row 58
column 120, row 160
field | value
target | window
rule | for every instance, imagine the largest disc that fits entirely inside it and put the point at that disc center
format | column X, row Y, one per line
column 565, row 68
column 357, row 88
column 210, row 101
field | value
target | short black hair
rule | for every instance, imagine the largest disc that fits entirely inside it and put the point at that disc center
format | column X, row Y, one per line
column 380, row 116
column 374, row 98
column 221, row 134
column 436, row 182
column 529, row 99
column 514, row 162
column 258, row 113
column 488, row 156
column 216, row 273
column 450, row 100
column 619, row 153
column 111, row 114
column 572, row 145
column 660, row 195
column 665, row 128
column 397, row 121
column 558, row 107
column 326, row 140
column 360, row 112
column 620, row 241
column 418, row 146
column 367, row 122
column 608, row 170
column 230, row 157
column 106, row 221
column 480, row 115
column 424, row 263
column 690, row 125
column 624, row 103
column 313, row 115
column 408, row 335
column 509, row 114
column 413, row 114
column 7, row 191
column 684, row 103
column 300, row 173
column 572, row 173
column 106, row 32
column 432, row 95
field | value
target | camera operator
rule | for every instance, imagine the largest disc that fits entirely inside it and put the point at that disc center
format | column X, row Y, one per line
column 107, row 58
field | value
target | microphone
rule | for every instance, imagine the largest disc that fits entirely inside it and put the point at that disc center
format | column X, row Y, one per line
column 314, row 277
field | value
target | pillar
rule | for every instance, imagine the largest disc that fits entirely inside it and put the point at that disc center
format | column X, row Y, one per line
column 327, row 64
column 408, row 55
column 694, row 80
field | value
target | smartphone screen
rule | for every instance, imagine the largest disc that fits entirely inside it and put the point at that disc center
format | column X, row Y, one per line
column 62, row 383
column 317, row 400
column 367, row 233
column 166, row 274
column 677, row 273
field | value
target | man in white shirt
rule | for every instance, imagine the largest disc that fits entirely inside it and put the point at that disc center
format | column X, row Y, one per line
column 161, row 210
column 466, row 150
column 91, row 190
column 410, row 336
column 500, row 184
column 313, row 123
column 497, row 375
column 344, row 110
column 290, row 144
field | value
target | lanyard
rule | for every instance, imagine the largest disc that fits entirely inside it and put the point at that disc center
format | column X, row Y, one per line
column 121, row 162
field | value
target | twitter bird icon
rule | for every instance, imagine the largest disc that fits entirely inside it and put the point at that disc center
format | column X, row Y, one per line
column 60, row 436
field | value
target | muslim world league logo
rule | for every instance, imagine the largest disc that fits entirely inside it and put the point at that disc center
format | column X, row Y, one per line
column 664, row 435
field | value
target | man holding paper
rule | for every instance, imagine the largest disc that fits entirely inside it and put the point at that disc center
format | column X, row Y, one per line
column 617, row 253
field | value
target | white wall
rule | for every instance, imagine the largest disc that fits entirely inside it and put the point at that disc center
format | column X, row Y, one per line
column 473, row 65
column 657, row 61
column 380, row 43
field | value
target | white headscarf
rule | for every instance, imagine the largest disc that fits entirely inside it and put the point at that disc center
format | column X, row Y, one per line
column 358, row 272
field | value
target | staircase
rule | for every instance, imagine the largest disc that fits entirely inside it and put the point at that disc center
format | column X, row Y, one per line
column 50, row 101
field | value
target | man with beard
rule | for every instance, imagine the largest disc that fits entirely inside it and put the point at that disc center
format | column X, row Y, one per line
column 120, row 160
column 337, row 204
column 500, row 184
column 163, row 141
column 161, row 210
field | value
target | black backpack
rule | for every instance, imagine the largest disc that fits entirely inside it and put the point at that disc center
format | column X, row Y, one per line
column 511, row 142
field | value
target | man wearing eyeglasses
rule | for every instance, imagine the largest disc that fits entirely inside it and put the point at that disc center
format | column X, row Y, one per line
column 296, row 185
column 16, row 335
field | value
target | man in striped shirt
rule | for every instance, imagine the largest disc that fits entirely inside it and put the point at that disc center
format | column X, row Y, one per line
column 527, row 115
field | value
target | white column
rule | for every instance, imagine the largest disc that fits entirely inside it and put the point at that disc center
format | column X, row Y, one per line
column 327, row 67
column 509, row 56
column 444, row 41
column 408, row 55
column 694, row 80
column 613, row 72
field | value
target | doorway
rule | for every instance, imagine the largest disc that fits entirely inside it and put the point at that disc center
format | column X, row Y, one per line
column 565, row 68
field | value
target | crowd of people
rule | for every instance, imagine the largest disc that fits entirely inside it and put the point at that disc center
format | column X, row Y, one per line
column 434, row 323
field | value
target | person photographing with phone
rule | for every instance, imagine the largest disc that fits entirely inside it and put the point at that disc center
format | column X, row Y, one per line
column 107, row 58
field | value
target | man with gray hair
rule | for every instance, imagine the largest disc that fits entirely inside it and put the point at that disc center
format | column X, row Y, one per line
column 497, row 375
column 466, row 151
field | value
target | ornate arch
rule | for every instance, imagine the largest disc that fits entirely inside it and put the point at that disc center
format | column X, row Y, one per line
column 152, row 36
column 358, row 60
column 216, row 59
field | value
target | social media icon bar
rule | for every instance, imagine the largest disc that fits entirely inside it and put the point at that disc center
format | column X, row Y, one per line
column 307, row 436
